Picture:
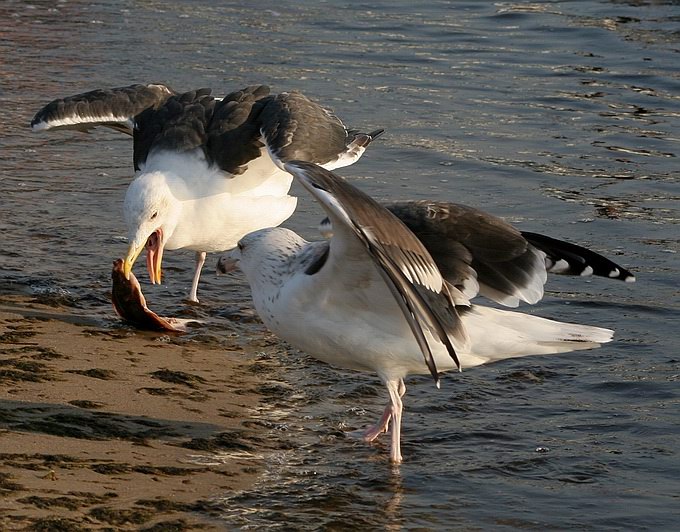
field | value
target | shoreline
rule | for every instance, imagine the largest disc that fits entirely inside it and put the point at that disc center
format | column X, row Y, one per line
column 104, row 428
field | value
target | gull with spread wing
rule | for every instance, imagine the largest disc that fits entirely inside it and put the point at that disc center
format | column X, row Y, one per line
column 479, row 253
column 207, row 169
column 373, row 299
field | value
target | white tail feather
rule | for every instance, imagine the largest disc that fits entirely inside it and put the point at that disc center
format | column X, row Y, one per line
column 499, row 334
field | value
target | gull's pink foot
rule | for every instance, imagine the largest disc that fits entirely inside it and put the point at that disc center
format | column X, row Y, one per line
column 381, row 426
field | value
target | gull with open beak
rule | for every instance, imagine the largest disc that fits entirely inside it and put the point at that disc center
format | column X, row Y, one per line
column 208, row 170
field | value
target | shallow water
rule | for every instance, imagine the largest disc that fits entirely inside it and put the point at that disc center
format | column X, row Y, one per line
column 563, row 117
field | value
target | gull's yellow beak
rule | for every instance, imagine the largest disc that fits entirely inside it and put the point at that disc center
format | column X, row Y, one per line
column 130, row 258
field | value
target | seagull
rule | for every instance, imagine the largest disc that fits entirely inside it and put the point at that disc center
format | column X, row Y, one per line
column 479, row 253
column 373, row 299
column 207, row 168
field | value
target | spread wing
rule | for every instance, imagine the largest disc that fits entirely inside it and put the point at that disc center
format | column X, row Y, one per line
column 296, row 128
column 179, row 124
column 475, row 251
column 234, row 130
column 153, row 114
column 426, row 300
column 113, row 108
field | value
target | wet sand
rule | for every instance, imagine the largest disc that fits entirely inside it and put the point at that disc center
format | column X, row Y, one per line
column 114, row 428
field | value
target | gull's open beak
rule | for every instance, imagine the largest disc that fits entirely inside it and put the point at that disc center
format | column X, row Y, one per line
column 154, row 255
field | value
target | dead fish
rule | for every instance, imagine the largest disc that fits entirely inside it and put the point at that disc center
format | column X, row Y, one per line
column 130, row 304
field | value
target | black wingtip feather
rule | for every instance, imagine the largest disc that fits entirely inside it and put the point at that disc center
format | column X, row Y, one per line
column 578, row 258
column 375, row 134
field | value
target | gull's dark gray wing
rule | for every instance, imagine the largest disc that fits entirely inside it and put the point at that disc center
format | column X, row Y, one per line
column 234, row 131
column 114, row 108
column 475, row 250
column 179, row 124
column 156, row 117
column 508, row 265
column 406, row 266
column 296, row 128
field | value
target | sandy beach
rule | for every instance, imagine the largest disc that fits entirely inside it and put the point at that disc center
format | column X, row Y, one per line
column 116, row 428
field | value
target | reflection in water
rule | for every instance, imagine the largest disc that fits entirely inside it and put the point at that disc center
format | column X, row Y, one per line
column 393, row 516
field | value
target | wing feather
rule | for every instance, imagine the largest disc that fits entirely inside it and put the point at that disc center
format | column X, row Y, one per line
column 476, row 251
column 566, row 258
column 179, row 124
column 405, row 265
column 297, row 128
column 114, row 108
column 234, row 130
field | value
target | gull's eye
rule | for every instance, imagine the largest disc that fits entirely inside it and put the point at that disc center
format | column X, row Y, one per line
column 154, row 215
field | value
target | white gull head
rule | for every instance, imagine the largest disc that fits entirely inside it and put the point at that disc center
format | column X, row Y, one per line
column 267, row 257
column 151, row 213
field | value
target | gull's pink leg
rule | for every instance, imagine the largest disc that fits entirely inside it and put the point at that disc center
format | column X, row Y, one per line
column 381, row 426
column 200, row 261
column 396, row 389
